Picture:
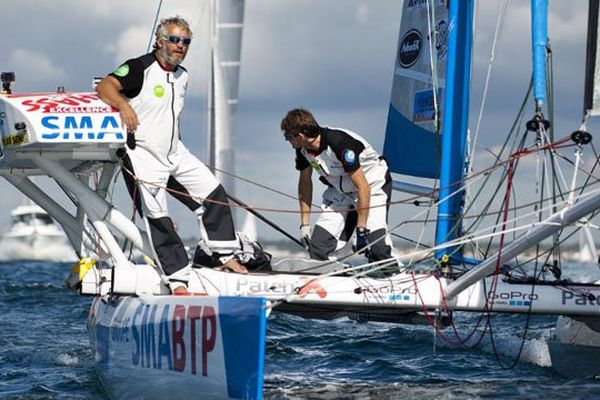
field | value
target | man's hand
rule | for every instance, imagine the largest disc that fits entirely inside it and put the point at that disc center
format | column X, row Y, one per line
column 362, row 240
column 128, row 117
column 305, row 235
column 234, row 266
column 109, row 91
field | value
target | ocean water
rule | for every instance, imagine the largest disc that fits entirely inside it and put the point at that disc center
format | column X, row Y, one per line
column 45, row 352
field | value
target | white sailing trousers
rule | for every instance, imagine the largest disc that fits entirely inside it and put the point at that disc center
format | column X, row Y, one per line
column 336, row 224
column 192, row 183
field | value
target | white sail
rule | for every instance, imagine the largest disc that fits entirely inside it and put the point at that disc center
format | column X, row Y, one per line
column 228, row 18
column 587, row 247
column 249, row 227
column 226, row 48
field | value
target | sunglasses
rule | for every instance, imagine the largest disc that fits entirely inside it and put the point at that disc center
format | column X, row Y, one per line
column 176, row 39
column 288, row 136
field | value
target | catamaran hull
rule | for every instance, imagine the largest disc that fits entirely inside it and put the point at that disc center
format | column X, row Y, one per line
column 335, row 296
column 160, row 347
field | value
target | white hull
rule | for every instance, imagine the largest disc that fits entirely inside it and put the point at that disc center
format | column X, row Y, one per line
column 176, row 347
column 407, row 292
column 374, row 298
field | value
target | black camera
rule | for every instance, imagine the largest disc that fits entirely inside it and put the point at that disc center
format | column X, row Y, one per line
column 7, row 78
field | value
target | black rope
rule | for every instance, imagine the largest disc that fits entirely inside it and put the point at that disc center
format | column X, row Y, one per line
column 265, row 220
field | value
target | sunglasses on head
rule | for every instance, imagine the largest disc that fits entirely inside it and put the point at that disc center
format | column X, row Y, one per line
column 176, row 39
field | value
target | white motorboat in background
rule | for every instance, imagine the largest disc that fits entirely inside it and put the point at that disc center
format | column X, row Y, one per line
column 34, row 235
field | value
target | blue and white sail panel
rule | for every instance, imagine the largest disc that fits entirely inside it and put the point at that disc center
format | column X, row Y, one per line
column 592, row 74
column 162, row 347
column 412, row 133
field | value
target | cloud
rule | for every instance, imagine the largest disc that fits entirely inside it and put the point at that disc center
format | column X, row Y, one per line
column 362, row 13
column 130, row 42
column 36, row 65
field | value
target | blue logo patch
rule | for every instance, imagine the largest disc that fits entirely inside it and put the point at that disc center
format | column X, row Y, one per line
column 349, row 157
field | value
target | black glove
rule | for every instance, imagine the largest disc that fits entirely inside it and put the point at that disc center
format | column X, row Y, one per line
column 362, row 239
column 131, row 140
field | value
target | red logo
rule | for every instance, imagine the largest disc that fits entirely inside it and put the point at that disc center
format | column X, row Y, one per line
column 312, row 285
column 71, row 103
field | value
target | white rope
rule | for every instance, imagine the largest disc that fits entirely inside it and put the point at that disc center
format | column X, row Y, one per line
column 499, row 25
column 433, row 57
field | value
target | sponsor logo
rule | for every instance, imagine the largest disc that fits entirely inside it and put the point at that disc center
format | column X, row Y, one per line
column 400, row 297
column 82, row 110
column 76, row 103
column 122, row 71
column 58, row 127
column 514, row 298
column 580, row 299
column 159, row 91
column 179, row 340
column 409, row 50
column 312, row 285
column 315, row 165
column 349, row 157
column 393, row 294
column 244, row 286
column 424, row 106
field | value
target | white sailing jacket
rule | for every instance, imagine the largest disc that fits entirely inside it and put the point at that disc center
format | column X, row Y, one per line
column 157, row 97
column 342, row 152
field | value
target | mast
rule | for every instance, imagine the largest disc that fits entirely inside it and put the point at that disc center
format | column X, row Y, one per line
column 455, row 123
column 591, row 102
column 539, row 41
column 225, row 53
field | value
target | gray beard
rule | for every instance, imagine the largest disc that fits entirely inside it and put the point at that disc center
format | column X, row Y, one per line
column 169, row 59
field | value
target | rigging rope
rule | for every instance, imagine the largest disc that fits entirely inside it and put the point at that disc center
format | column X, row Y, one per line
column 154, row 27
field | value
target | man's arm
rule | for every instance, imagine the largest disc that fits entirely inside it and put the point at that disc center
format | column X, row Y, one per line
column 305, row 189
column 364, row 196
column 109, row 91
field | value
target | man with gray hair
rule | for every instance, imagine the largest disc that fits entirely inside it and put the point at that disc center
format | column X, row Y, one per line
column 149, row 92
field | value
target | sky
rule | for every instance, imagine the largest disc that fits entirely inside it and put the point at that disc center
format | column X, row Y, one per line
column 333, row 57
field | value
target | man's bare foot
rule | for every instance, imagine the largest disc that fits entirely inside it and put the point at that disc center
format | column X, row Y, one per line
column 180, row 291
column 234, row 266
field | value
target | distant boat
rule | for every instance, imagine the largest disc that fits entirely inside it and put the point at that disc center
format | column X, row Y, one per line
column 34, row 235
